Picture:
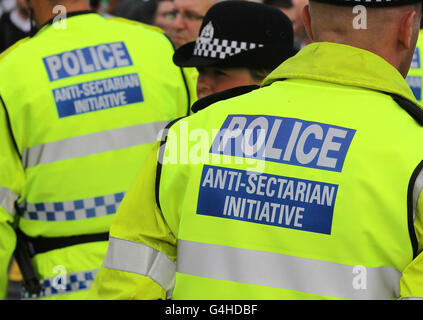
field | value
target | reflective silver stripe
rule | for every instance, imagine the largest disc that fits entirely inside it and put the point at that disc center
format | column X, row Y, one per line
column 7, row 200
column 417, row 189
column 92, row 144
column 129, row 256
column 411, row 298
column 288, row 272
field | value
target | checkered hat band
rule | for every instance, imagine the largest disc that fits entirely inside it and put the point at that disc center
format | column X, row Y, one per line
column 222, row 48
column 68, row 283
column 73, row 210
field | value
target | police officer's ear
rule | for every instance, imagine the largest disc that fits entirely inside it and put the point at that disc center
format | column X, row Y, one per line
column 305, row 15
column 408, row 29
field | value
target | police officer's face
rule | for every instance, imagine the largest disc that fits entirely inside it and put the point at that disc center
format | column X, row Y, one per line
column 188, row 19
column 213, row 79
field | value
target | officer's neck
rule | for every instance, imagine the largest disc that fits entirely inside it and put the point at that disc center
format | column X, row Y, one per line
column 44, row 11
column 389, row 48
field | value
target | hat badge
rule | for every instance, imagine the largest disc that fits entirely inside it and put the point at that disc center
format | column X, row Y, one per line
column 207, row 33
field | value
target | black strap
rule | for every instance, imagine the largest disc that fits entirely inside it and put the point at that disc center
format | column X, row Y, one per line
column 160, row 158
column 412, row 109
column 9, row 126
column 44, row 244
column 416, row 113
column 220, row 96
column 22, row 255
column 410, row 211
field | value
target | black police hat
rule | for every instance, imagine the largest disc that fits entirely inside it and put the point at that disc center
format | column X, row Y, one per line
column 240, row 34
column 370, row 3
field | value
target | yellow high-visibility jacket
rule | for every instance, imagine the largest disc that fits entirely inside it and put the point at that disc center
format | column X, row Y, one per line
column 307, row 188
column 80, row 110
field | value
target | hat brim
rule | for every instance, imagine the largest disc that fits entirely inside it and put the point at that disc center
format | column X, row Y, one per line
column 184, row 57
column 256, row 58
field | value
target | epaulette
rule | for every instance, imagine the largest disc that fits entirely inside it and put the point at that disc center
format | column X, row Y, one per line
column 13, row 47
column 220, row 96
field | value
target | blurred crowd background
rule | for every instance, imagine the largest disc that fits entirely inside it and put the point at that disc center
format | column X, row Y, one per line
column 15, row 17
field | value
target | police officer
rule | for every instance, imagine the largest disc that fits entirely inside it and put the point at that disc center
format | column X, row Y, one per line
column 307, row 188
column 83, row 102
column 186, row 22
column 239, row 44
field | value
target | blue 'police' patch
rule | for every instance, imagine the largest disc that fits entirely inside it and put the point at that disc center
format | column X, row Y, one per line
column 415, row 63
column 87, row 60
column 415, row 84
column 267, row 199
column 284, row 140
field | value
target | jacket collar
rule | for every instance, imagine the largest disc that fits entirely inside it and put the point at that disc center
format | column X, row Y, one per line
column 345, row 65
column 51, row 21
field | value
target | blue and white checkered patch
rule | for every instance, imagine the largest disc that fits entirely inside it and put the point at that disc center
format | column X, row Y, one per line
column 73, row 210
column 222, row 48
column 69, row 283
